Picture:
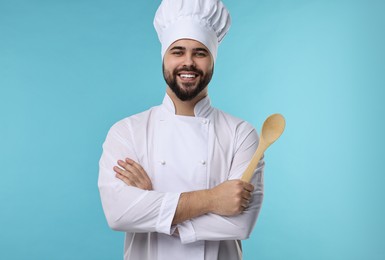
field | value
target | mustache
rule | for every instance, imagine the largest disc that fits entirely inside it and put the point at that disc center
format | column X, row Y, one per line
column 188, row 69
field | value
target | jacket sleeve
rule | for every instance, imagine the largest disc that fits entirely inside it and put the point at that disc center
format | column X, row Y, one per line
column 128, row 208
column 215, row 227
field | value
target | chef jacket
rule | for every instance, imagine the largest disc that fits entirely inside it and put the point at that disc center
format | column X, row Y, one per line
column 180, row 154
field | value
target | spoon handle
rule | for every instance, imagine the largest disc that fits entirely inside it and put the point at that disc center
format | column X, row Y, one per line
column 248, row 173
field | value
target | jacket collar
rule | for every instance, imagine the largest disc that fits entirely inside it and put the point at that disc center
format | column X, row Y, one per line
column 202, row 109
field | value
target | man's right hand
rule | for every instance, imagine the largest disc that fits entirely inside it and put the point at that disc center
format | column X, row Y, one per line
column 133, row 174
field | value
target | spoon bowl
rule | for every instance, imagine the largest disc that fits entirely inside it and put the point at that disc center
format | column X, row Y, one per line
column 272, row 129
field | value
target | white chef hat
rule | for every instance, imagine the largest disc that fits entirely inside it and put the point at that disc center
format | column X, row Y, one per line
column 206, row 21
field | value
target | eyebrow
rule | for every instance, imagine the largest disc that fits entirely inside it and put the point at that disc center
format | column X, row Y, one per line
column 184, row 48
column 178, row 48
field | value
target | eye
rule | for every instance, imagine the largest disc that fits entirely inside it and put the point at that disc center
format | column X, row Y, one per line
column 200, row 54
column 177, row 53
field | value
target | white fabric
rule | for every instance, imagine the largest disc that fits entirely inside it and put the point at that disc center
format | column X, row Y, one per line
column 206, row 21
column 180, row 154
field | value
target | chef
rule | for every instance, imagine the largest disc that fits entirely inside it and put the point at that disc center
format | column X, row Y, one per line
column 170, row 176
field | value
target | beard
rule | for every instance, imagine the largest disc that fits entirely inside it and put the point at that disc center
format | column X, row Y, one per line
column 187, row 91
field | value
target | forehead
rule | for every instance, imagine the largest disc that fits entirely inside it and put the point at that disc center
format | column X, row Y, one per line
column 188, row 44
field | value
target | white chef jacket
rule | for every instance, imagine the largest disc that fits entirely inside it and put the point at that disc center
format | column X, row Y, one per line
column 180, row 154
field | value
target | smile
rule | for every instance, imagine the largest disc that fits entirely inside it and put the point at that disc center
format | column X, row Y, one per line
column 187, row 76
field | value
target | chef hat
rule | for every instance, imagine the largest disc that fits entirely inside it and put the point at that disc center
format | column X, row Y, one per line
column 206, row 21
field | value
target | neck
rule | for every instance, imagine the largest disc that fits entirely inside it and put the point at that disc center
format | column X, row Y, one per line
column 185, row 108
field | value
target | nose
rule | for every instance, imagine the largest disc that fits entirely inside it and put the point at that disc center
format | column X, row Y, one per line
column 188, row 60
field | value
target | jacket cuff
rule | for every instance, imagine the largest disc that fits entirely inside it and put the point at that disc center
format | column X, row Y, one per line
column 187, row 232
column 167, row 213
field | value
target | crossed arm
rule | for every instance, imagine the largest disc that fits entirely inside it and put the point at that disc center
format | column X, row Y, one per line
column 229, row 198
column 131, row 205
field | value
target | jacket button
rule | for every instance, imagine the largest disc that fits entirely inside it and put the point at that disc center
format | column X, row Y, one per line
column 162, row 162
column 203, row 162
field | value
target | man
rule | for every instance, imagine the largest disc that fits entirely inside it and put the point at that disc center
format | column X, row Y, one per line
column 170, row 176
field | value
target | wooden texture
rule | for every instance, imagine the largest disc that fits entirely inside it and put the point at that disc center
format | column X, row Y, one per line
column 272, row 129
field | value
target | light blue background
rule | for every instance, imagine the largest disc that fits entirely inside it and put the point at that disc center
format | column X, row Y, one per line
column 70, row 69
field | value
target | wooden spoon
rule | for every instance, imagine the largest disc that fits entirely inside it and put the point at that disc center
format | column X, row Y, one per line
column 271, row 130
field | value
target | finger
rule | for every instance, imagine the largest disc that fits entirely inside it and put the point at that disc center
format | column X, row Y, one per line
column 248, row 187
column 245, row 203
column 118, row 170
column 135, row 173
column 130, row 161
column 125, row 180
column 128, row 178
column 125, row 165
column 130, row 169
column 135, row 164
column 127, row 174
column 246, row 195
column 139, row 168
column 130, row 182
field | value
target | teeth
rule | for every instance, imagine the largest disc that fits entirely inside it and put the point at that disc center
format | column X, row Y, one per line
column 187, row 75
